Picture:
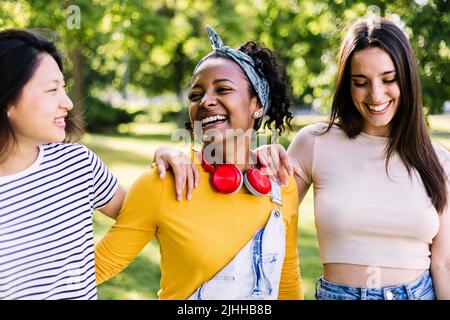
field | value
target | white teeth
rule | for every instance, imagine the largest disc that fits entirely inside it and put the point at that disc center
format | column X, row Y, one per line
column 378, row 108
column 212, row 119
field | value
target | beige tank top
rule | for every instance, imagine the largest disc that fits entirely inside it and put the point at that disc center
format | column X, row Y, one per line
column 362, row 215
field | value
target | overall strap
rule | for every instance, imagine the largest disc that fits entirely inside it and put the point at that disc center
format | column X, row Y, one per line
column 275, row 194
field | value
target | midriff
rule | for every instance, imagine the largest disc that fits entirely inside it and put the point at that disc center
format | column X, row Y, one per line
column 368, row 276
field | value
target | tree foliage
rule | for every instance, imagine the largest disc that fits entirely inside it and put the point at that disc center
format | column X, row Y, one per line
column 152, row 46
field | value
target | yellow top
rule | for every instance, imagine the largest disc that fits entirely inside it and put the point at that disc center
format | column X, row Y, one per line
column 198, row 237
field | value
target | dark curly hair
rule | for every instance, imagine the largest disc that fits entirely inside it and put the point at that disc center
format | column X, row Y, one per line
column 269, row 66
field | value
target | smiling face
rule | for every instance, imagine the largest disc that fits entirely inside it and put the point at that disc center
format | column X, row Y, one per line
column 375, row 90
column 219, row 98
column 39, row 115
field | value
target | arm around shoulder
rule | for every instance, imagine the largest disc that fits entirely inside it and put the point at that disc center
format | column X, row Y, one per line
column 113, row 207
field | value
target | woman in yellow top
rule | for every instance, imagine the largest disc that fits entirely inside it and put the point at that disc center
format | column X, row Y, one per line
column 241, row 245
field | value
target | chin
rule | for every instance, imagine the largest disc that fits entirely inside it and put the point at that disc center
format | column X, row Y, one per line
column 213, row 135
column 58, row 139
column 380, row 125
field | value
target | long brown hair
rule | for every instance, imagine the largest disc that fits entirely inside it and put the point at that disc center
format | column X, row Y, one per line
column 408, row 135
column 19, row 58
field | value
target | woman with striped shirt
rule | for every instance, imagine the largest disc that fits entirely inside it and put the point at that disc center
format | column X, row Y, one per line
column 48, row 188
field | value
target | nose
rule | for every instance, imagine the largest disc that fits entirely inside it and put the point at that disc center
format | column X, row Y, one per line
column 376, row 93
column 208, row 100
column 66, row 103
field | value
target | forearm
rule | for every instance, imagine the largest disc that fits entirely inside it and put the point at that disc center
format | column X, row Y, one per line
column 441, row 279
column 116, row 250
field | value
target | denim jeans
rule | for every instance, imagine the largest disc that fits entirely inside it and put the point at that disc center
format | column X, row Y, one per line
column 419, row 289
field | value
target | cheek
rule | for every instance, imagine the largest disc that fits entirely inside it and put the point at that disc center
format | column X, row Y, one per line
column 358, row 94
column 192, row 112
column 395, row 91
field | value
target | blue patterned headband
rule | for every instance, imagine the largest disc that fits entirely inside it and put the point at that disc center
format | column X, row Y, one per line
column 247, row 64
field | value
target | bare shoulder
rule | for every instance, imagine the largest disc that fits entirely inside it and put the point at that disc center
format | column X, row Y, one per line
column 304, row 139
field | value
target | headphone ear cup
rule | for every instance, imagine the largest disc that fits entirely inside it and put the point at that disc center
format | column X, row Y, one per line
column 257, row 183
column 227, row 178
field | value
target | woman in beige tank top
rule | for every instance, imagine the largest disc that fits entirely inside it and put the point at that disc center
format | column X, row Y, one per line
column 381, row 187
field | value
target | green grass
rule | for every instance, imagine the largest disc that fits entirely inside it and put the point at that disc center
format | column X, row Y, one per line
column 128, row 155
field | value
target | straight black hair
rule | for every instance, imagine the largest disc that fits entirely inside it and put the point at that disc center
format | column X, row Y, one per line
column 20, row 52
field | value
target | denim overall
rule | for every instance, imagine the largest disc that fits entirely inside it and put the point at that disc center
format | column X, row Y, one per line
column 255, row 272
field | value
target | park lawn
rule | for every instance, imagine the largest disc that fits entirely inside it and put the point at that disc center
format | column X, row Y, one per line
column 128, row 156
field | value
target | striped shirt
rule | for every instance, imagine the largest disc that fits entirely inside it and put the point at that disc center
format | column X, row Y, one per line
column 46, row 238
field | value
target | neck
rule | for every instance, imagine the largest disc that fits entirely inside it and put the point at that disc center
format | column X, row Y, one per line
column 376, row 131
column 21, row 157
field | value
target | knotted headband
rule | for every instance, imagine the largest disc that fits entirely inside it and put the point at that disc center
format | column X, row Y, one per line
column 247, row 64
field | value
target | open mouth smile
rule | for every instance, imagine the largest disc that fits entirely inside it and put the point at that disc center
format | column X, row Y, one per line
column 380, row 108
column 212, row 120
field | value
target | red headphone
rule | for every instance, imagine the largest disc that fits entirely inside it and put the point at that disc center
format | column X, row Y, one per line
column 228, row 179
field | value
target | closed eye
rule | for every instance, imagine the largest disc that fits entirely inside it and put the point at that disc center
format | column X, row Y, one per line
column 194, row 96
column 359, row 84
column 224, row 89
column 55, row 89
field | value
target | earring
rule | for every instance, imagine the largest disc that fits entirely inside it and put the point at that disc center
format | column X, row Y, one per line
column 256, row 114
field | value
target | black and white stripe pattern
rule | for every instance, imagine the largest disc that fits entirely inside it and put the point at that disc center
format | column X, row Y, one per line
column 46, row 239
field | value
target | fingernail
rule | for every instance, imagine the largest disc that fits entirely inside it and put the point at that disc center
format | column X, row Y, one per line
column 179, row 197
column 196, row 185
column 189, row 196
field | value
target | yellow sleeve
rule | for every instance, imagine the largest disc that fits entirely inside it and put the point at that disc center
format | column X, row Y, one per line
column 134, row 228
column 291, row 282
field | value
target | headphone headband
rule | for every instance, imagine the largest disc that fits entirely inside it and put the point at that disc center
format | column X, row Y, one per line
column 228, row 179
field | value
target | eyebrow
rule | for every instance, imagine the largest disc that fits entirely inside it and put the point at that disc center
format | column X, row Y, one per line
column 222, row 80
column 363, row 76
column 54, row 81
column 215, row 82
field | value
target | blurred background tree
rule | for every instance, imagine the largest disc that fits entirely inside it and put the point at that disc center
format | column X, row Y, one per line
column 131, row 60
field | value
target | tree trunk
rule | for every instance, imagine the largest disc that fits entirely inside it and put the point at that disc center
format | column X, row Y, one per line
column 78, row 91
column 179, row 65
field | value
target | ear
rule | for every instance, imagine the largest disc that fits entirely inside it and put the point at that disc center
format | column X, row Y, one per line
column 258, row 113
column 256, row 108
column 8, row 111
